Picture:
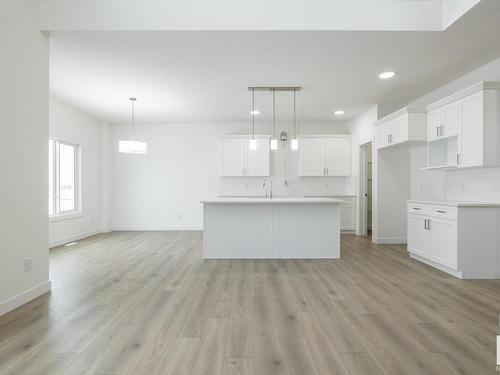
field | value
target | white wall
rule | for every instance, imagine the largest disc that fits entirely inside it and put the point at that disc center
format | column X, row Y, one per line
column 24, row 97
column 476, row 184
column 68, row 124
column 363, row 131
column 162, row 189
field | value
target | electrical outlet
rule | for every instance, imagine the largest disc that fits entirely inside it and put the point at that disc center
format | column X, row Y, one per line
column 28, row 264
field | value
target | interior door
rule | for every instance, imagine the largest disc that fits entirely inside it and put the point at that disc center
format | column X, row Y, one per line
column 312, row 157
column 418, row 237
column 257, row 161
column 338, row 157
column 233, row 157
column 443, row 242
column 471, row 132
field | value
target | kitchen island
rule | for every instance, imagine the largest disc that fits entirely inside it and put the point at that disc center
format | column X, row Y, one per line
column 271, row 228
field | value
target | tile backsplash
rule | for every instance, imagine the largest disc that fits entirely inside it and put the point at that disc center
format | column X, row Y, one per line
column 475, row 184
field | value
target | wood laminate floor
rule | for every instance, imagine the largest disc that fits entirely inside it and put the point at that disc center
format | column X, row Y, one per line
column 147, row 303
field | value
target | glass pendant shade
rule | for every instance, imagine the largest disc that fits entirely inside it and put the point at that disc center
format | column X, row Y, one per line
column 132, row 147
column 294, row 145
column 274, row 144
column 253, row 144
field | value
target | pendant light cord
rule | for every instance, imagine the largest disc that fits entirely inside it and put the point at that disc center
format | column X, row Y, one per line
column 253, row 113
column 294, row 114
column 274, row 113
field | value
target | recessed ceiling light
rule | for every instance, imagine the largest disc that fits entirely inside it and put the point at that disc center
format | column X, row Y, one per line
column 386, row 75
column 339, row 112
column 255, row 112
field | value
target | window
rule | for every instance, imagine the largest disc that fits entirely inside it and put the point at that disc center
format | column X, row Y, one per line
column 63, row 178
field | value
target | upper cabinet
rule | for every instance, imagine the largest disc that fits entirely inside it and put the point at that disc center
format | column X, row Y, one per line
column 406, row 125
column 328, row 155
column 464, row 128
column 238, row 160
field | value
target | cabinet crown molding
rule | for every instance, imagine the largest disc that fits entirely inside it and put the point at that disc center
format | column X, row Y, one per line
column 400, row 112
column 480, row 86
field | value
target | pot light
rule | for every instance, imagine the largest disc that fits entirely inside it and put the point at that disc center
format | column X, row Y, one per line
column 386, row 75
column 339, row 112
column 255, row 112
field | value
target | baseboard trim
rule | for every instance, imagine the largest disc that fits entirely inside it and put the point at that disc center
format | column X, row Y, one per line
column 19, row 300
column 455, row 273
column 389, row 241
column 160, row 228
column 75, row 237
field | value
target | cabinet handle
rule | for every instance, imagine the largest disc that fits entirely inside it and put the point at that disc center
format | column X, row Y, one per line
column 416, row 208
column 441, row 211
column 441, row 131
column 327, row 171
column 425, row 224
column 437, row 131
column 458, row 159
column 428, row 224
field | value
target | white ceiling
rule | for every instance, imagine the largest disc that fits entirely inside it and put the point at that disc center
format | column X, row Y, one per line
column 202, row 76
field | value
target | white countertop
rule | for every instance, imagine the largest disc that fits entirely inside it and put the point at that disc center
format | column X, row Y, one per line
column 458, row 203
column 275, row 200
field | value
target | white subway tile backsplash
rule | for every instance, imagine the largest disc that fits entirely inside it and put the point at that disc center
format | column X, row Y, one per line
column 474, row 184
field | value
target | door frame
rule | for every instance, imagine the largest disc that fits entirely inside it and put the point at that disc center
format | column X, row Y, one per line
column 363, row 188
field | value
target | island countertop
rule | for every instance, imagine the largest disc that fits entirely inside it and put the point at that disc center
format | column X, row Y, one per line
column 280, row 200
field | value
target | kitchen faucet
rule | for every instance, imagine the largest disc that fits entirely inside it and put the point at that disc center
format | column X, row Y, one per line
column 268, row 181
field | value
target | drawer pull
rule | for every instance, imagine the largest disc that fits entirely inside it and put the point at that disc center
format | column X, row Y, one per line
column 416, row 208
column 441, row 211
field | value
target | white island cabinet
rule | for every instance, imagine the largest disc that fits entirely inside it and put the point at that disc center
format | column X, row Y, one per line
column 461, row 238
column 271, row 228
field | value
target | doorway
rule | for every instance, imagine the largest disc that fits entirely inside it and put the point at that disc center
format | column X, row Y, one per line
column 366, row 185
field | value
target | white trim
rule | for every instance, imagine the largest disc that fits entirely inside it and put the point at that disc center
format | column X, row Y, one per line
column 25, row 297
column 65, row 216
column 390, row 240
column 158, row 228
column 74, row 237
column 440, row 267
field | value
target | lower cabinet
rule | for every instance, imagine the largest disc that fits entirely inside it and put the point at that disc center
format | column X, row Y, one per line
column 461, row 240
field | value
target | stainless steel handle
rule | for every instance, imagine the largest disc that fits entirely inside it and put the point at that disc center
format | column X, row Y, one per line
column 390, row 138
column 441, row 130
column 428, row 224
column 327, row 171
column 416, row 208
column 437, row 131
column 425, row 224
column 458, row 159
column 441, row 211
column 324, row 171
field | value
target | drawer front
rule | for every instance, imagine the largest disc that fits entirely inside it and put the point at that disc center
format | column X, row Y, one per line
column 418, row 209
column 446, row 212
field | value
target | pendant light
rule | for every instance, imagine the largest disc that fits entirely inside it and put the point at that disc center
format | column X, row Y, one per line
column 253, row 142
column 274, row 141
column 132, row 146
column 294, row 144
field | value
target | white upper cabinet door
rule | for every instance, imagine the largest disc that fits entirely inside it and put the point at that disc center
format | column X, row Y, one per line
column 471, row 131
column 233, row 157
column 338, row 156
column 257, row 161
column 399, row 130
column 383, row 135
column 312, row 157
column 443, row 241
column 434, row 122
column 450, row 120
column 418, row 236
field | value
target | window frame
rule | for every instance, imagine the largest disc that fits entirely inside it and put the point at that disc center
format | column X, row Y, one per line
column 77, row 211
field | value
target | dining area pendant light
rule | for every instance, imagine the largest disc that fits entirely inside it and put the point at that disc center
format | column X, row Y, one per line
column 253, row 142
column 294, row 144
column 274, row 141
column 132, row 146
